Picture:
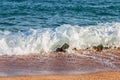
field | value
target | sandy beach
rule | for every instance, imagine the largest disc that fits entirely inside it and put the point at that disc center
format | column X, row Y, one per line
column 82, row 65
column 93, row 76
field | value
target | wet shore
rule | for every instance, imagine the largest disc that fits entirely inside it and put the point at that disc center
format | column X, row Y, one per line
column 79, row 62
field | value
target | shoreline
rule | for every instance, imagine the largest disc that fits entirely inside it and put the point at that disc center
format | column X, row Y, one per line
column 83, row 62
column 91, row 76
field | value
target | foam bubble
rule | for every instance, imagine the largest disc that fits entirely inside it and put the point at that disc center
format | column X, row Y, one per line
column 47, row 39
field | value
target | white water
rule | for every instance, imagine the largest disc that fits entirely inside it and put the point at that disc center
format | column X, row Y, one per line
column 47, row 39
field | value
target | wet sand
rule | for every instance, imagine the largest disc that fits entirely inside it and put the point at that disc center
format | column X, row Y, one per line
column 92, row 76
column 83, row 65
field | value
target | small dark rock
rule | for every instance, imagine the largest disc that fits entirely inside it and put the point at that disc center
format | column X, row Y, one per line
column 74, row 49
column 63, row 48
column 118, row 48
column 87, row 48
column 60, row 50
column 106, row 48
column 115, row 47
column 98, row 48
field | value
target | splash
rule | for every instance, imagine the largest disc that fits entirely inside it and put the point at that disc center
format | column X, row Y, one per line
column 48, row 39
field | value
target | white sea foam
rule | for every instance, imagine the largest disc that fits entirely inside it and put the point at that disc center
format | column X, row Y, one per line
column 47, row 39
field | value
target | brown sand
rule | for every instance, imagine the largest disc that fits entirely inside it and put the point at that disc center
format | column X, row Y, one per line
column 93, row 76
column 63, row 62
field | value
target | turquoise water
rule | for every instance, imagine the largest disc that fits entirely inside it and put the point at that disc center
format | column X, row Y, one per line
column 29, row 26
column 22, row 15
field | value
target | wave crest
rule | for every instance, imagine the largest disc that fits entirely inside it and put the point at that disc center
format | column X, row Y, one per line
column 48, row 39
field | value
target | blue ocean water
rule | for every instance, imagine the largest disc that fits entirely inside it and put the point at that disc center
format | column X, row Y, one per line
column 18, row 15
column 28, row 26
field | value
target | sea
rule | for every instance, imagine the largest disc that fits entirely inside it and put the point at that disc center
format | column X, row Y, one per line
column 36, row 26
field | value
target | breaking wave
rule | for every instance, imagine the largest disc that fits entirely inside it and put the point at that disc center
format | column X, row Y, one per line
column 48, row 39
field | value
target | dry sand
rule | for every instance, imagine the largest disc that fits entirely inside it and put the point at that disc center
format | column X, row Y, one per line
column 93, row 76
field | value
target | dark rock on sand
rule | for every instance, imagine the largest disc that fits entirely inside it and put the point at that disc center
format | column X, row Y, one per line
column 60, row 50
column 118, row 48
column 98, row 48
column 87, row 48
column 63, row 48
column 75, row 49
column 106, row 47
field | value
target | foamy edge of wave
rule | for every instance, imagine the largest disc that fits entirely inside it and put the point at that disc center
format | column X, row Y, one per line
column 48, row 39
